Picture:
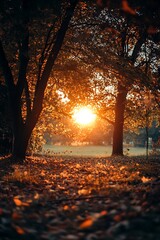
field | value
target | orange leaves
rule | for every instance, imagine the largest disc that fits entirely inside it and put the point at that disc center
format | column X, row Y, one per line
column 42, row 173
column 36, row 196
column 127, row 8
column 89, row 222
column 120, row 200
column 83, row 5
column 19, row 203
column 122, row 168
column 125, row 5
column 86, row 224
column 19, row 230
column 117, row 218
column 103, row 213
column 16, row 216
column 84, row 191
column 145, row 179
column 66, row 207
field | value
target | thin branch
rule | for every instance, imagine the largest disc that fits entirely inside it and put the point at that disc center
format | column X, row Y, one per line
column 108, row 120
column 41, row 85
column 138, row 46
column 46, row 49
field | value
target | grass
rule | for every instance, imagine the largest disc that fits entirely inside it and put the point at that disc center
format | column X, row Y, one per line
column 90, row 151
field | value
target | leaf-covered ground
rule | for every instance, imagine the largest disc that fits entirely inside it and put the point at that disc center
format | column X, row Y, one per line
column 81, row 198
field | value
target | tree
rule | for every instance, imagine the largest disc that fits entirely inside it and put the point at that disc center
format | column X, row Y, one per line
column 120, row 50
column 23, row 17
column 112, row 53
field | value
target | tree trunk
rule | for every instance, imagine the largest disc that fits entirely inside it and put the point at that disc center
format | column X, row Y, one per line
column 22, row 133
column 20, row 143
column 119, row 121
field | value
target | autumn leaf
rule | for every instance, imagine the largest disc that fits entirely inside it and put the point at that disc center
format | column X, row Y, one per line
column 36, row 196
column 83, row 191
column 66, row 207
column 123, row 167
column 103, row 213
column 19, row 203
column 117, row 218
column 42, row 173
column 127, row 8
column 16, row 216
column 78, row 165
column 19, row 230
column 145, row 179
column 86, row 224
column 89, row 222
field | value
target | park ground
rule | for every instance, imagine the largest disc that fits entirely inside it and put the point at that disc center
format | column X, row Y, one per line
column 60, row 198
column 92, row 151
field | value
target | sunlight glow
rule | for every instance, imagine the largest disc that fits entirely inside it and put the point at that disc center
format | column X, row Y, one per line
column 84, row 116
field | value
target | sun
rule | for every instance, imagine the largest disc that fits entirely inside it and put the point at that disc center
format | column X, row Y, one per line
column 84, row 116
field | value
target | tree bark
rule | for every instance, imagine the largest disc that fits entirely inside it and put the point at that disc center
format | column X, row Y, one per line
column 119, row 121
column 20, row 143
column 21, row 138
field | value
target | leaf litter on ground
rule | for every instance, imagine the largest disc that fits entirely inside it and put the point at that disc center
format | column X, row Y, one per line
column 81, row 198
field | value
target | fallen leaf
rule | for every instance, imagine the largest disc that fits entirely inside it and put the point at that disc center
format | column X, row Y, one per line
column 86, row 224
column 16, row 216
column 19, row 230
column 36, row 196
column 103, row 213
column 117, row 218
column 83, row 192
column 145, row 179
column 66, row 207
column 18, row 202
column 123, row 167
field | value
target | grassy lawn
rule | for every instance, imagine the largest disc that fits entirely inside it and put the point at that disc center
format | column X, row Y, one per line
column 91, row 151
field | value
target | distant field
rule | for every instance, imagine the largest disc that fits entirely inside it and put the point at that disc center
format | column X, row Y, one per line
column 89, row 151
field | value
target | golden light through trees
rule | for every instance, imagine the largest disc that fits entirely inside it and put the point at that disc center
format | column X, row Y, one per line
column 84, row 116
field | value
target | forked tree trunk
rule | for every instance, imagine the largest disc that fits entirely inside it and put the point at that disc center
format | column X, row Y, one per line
column 22, row 130
column 119, row 121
